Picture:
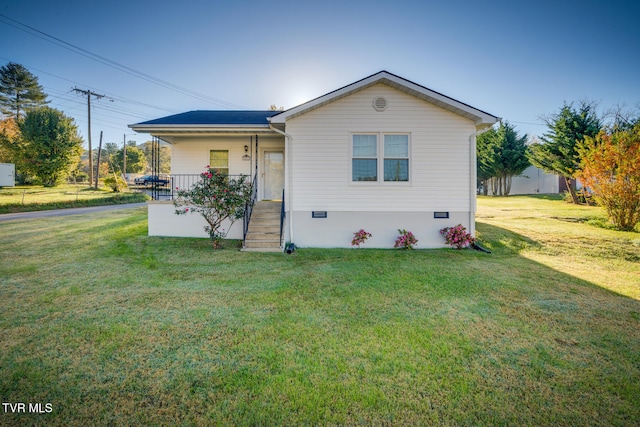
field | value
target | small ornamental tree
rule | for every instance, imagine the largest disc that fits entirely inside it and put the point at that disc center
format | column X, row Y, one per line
column 50, row 145
column 9, row 133
column 217, row 198
column 610, row 169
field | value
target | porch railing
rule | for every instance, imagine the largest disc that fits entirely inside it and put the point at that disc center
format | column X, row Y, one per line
column 248, row 208
column 178, row 182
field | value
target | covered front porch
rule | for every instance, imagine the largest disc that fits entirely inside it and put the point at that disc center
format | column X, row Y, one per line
column 238, row 144
column 261, row 160
column 262, row 164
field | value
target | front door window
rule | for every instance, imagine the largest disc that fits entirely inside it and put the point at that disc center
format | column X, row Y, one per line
column 273, row 175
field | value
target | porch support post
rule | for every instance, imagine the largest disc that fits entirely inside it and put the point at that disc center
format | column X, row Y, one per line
column 251, row 175
column 155, row 167
column 256, row 170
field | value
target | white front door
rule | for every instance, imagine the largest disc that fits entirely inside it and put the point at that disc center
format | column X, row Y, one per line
column 273, row 177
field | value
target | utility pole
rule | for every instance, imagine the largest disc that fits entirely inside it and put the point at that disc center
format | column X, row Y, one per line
column 124, row 156
column 98, row 166
column 89, row 94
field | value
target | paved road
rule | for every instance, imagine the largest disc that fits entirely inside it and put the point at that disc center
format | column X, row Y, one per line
column 65, row 212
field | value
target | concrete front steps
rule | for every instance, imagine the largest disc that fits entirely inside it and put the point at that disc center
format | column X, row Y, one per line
column 263, row 234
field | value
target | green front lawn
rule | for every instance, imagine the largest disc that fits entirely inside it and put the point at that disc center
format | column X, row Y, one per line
column 38, row 198
column 112, row 327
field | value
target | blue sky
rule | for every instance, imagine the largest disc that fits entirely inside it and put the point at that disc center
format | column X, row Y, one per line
column 517, row 60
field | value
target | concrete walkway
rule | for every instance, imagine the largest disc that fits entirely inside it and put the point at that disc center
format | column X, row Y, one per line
column 65, row 212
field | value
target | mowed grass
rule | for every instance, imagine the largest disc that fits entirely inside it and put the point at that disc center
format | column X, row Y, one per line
column 568, row 238
column 116, row 328
column 36, row 198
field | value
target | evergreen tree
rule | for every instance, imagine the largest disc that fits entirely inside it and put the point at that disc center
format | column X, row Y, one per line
column 485, row 163
column 513, row 155
column 19, row 90
column 502, row 154
column 558, row 152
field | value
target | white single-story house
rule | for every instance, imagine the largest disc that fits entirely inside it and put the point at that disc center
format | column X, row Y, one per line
column 380, row 154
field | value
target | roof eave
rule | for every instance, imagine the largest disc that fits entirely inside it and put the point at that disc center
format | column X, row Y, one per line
column 193, row 129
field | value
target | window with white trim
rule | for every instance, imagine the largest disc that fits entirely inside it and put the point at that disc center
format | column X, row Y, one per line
column 377, row 157
column 219, row 161
column 364, row 164
column 396, row 158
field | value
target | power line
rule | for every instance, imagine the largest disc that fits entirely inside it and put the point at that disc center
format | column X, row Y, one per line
column 59, row 99
column 527, row 123
column 62, row 99
column 144, row 76
column 114, row 96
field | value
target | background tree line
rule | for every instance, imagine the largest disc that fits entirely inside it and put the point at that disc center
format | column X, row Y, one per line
column 603, row 151
column 112, row 160
column 45, row 144
column 501, row 155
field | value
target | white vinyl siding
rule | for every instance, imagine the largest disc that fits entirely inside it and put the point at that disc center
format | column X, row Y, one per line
column 190, row 155
column 438, row 163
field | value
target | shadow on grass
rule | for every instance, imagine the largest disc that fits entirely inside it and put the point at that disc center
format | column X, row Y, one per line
column 502, row 241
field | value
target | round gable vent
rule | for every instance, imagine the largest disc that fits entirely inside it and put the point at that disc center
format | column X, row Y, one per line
column 379, row 104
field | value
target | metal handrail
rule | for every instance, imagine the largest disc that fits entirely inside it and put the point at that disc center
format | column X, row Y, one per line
column 282, row 216
column 248, row 208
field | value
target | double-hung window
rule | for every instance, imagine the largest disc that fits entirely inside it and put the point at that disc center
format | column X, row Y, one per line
column 396, row 158
column 219, row 161
column 380, row 157
column 364, row 164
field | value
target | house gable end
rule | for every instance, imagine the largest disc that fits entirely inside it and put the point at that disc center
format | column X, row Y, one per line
column 480, row 118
